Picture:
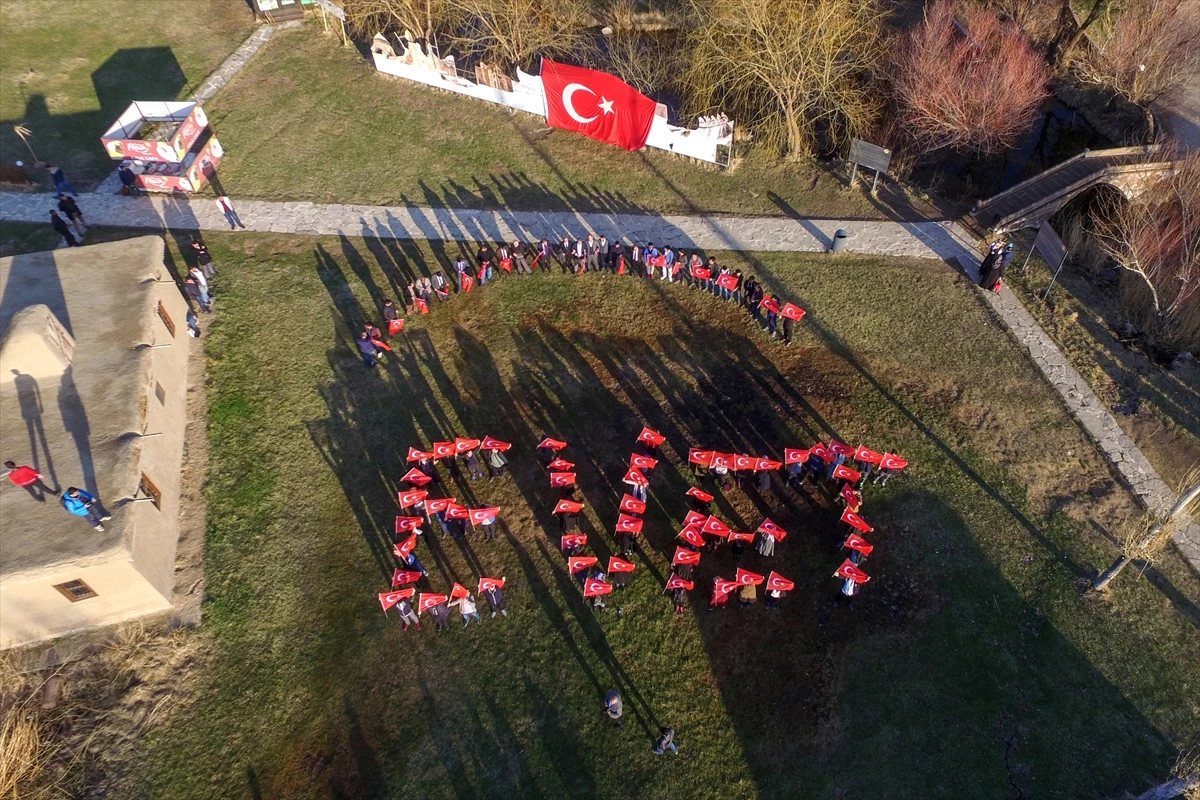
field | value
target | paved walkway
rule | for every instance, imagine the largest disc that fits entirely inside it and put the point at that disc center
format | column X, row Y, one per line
column 918, row 239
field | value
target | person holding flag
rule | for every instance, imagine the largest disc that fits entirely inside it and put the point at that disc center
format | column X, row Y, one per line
column 466, row 606
column 766, row 543
column 492, row 591
column 747, row 595
column 679, row 598
column 777, row 588
column 408, row 614
column 889, row 465
column 720, row 593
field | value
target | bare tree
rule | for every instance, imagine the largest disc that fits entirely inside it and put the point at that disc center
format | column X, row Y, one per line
column 1156, row 238
column 1184, row 781
column 1070, row 30
column 1149, row 49
column 1148, row 538
column 422, row 18
column 966, row 80
column 513, row 33
column 796, row 72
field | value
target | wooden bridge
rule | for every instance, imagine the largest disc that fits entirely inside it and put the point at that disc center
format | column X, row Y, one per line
column 1034, row 200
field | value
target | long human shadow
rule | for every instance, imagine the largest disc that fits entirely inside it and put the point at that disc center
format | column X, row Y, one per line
column 29, row 398
column 75, row 420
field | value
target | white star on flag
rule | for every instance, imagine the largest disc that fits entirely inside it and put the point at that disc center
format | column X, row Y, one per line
column 606, row 105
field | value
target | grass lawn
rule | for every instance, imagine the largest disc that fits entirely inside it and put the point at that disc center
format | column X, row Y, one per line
column 68, row 69
column 1156, row 407
column 311, row 120
column 969, row 666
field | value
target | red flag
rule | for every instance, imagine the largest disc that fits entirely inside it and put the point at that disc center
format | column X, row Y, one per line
column 642, row 462
column 455, row 511
column 722, row 587
column 628, row 524
column 824, row 452
column 443, row 449
column 493, row 444
column 853, row 499
column 703, row 497
column 592, row 587
column 458, row 590
column 479, row 516
column 685, row 556
column 632, row 505
column 506, row 264
column 651, row 437
column 770, row 527
column 411, row 497
column 428, row 601
column 416, row 477
column 621, row 265
column 395, row 326
column 382, row 345
column 694, row 520
column 620, row 565
column 743, row 462
column 840, row 448
column 729, row 282
column 438, row 504
column 422, row 306
column 856, row 542
column 677, row 582
column 403, row 576
column 848, row 570
column 596, row 104
column 892, row 461
column 389, row 599
column 721, row 460
column 745, row 576
column 792, row 311
column 576, row 563
column 402, row 549
column 692, row 536
column 568, row 507
column 702, row 457
column 715, row 526
column 560, row 465
column 843, row 473
column 761, row 464
column 467, row 282
column 636, row 478
column 462, row 444
column 771, row 304
column 657, row 261
column 856, row 522
column 406, row 524
column 701, row 273
column 792, row 455
column 553, row 444
column 740, row 537
column 490, row 583
column 562, row 478
column 778, row 583
column 865, row 455
column 417, row 455
column 573, row 540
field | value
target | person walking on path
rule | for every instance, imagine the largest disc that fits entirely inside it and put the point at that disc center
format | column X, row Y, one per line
column 68, row 206
column 203, row 258
column 466, row 606
column 408, row 614
column 59, row 224
column 666, row 741
column 61, row 184
column 614, row 708
column 231, row 216
column 128, row 180
column 28, row 479
column 82, row 504
column 495, row 600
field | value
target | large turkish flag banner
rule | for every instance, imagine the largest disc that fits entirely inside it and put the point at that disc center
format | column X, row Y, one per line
column 596, row 104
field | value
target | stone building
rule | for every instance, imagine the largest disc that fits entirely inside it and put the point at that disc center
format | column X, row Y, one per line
column 93, row 394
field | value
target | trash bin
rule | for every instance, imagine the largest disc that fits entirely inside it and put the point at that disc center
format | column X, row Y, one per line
column 841, row 241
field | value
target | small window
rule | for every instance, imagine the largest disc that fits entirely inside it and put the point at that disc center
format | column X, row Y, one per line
column 166, row 318
column 75, row 590
column 147, row 489
column 160, row 393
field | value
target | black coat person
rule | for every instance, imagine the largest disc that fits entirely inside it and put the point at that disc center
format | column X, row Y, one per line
column 989, row 262
column 993, row 275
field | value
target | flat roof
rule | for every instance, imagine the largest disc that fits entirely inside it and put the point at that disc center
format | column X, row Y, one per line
column 75, row 428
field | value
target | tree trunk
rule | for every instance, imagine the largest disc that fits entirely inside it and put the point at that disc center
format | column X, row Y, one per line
column 1123, row 560
column 1059, row 49
column 1113, row 571
column 1171, row 789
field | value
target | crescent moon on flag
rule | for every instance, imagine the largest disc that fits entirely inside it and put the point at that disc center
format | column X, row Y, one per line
column 568, row 92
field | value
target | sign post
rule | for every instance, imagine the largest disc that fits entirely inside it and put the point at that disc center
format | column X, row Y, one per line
column 869, row 156
column 1052, row 250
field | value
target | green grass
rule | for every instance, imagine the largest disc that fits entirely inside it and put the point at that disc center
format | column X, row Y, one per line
column 970, row 664
column 68, row 69
column 1158, row 408
column 311, row 120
